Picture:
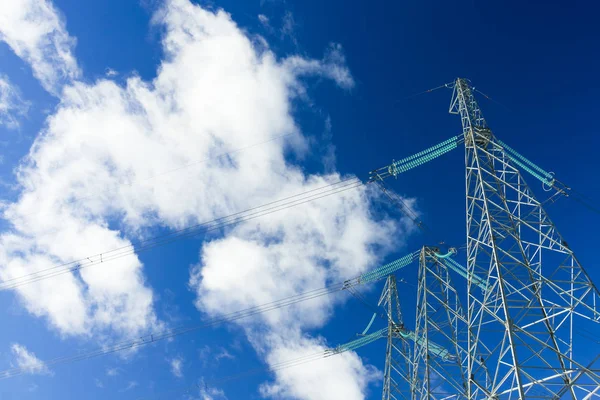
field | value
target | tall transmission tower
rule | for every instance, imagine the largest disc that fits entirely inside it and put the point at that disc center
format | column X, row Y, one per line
column 529, row 302
column 521, row 327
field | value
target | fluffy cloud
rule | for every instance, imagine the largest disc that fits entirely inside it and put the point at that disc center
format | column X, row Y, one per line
column 338, row 377
column 301, row 248
column 176, row 367
column 36, row 32
column 12, row 106
column 27, row 361
column 95, row 179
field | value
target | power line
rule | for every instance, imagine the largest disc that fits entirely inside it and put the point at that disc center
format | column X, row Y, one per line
column 155, row 337
column 208, row 226
column 170, row 333
column 253, row 371
column 402, row 206
column 446, row 85
column 490, row 99
column 583, row 200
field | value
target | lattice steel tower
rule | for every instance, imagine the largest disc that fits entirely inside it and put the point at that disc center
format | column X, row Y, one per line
column 521, row 325
column 398, row 360
column 440, row 330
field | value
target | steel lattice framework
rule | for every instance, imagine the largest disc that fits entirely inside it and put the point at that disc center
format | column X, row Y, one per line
column 398, row 360
column 440, row 332
column 528, row 299
column 521, row 327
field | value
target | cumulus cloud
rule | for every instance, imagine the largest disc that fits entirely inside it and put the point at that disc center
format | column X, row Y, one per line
column 177, row 366
column 339, row 377
column 95, row 180
column 36, row 32
column 12, row 105
column 330, row 240
column 216, row 92
column 27, row 361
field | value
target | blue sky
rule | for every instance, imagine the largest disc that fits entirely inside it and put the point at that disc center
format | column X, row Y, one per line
column 116, row 93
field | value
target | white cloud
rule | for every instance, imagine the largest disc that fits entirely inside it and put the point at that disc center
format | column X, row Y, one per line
column 98, row 383
column 177, row 367
column 302, row 248
column 288, row 27
column 216, row 91
column 224, row 354
column 36, row 32
column 264, row 20
column 211, row 393
column 338, row 377
column 332, row 66
column 130, row 385
column 112, row 371
column 109, row 72
column 27, row 361
column 328, row 147
column 12, row 106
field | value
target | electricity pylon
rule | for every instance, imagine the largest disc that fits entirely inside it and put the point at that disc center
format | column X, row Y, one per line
column 425, row 363
column 440, row 332
column 521, row 328
column 398, row 360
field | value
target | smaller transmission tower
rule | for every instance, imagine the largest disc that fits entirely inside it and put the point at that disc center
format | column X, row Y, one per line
column 397, row 372
column 440, row 332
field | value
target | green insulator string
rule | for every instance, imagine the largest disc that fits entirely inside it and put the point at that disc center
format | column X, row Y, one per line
column 399, row 167
column 355, row 344
column 387, row 269
column 433, row 348
column 532, row 172
column 459, row 269
column 437, row 146
column 540, row 174
column 525, row 160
